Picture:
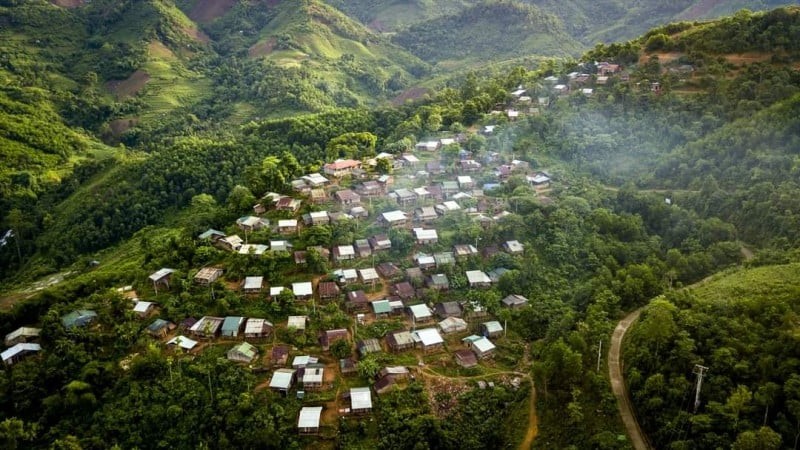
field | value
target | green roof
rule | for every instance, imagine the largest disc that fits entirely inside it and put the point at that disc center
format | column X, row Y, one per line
column 381, row 307
column 78, row 318
column 246, row 349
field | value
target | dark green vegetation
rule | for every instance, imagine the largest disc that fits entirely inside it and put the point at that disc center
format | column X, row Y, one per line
column 719, row 140
column 742, row 325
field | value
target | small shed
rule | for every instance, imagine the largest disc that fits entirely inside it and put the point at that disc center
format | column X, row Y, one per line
column 243, row 352
column 347, row 366
column 282, row 380
column 491, row 329
column 275, row 291
column 207, row 275
column 161, row 277
column 253, row 285
column 182, row 342
column 143, row 309
column 308, row 422
column 160, row 328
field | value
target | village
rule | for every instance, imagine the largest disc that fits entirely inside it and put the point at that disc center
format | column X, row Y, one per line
column 414, row 295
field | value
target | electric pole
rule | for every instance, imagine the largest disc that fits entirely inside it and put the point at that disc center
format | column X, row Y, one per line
column 700, row 372
column 599, row 353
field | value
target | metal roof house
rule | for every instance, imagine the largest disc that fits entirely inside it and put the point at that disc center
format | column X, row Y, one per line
column 483, row 348
column 22, row 334
column 478, row 278
column 360, row 400
column 327, row 338
column 232, row 326
column 207, row 275
column 367, row 346
column 19, row 351
column 381, row 308
column 303, row 290
column 161, row 276
column 513, row 247
column 308, row 422
column 243, row 352
column 420, row 313
column 257, row 328
column 297, row 322
column 183, row 343
column 253, row 285
column 207, row 327
column 160, row 328
column 491, row 329
column 78, row 318
column 313, row 375
column 282, row 380
column 399, row 341
column 448, row 309
column 453, row 325
column 514, row 301
column 428, row 339
column 465, row 358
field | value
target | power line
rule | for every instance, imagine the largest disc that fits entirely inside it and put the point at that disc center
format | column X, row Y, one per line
column 700, row 372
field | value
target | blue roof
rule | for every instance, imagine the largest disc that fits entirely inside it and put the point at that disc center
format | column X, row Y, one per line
column 231, row 325
column 78, row 318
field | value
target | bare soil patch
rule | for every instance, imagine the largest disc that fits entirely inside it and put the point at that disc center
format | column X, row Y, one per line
column 699, row 9
column 663, row 58
column 410, row 94
column 130, row 86
column 742, row 59
column 158, row 49
column 196, row 34
column 262, row 48
column 68, row 3
column 207, row 10
column 120, row 126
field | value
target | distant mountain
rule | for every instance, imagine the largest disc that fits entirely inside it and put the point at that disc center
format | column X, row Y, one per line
column 488, row 31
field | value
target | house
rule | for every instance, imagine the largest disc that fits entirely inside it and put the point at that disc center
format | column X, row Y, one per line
column 491, row 329
column 496, row 274
column 367, row 346
column 251, row 223
column 444, row 259
column 383, row 385
column 458, row 196
column 253, row 249
column 19, row 351
column 404, row 290
column 343, row 253
column 183, row 343
column 341, row 167
column 318, row 195
column 420, row 313
column 465, row 358
column 356, row 301
column 448, row 206
column 347, row 197
column 478, row 278
column 328, row 290
column 605, row 68
column 143, row 309
column 394, row 218
column 425, row 261
column 469, row 165
column 302, row 290
column 212, row 235
column 297, row 322
column 288, row 204
column 453, row 325
column 447, row 309
column 346, row 276
column 207, row 327
column 359, row 212
column 368, row 276
column 428, row 146
column 399, row 341
column 363, row 249
column 282, row 380
column 449, row 188
column 253, row 285
column 230, row 243
column 162, row 277
column 434, row 168
column 464, row 250
column 409, row 160
column 488, row 130
column 388, row 270
column 381, row 308
column 465, row 182
column 514, row 301
column 327, row 338
column 513, row 247
column 22, row 334
column 317, row 218
column 369, row 188
column 302, row 361
column 275, row 291
column 414, row 274
column 422, row 193
column 313, row 376
column 438, row 281
column 473, row 309
column 348, row 366
column 428, row 339
column 425, row 214
column 231, row 326
column 308, row 422
column 160, row 328
column 287, row 226
column 243, row 352
column 315, row 180
column 483, row 348
column 207, row 275
column 257, row 328
column 299, row 185
column 187, row 323
column 404, row 197
column 538, row 179
column 279, row 355
column 78, row 318
column 360, row 400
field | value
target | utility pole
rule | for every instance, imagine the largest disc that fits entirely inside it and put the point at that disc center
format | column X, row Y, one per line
column 599, row 353
column 700, row 372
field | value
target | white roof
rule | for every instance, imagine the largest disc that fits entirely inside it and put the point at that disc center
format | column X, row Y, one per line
column 302, row 288
column 316, row 178
column 460, row 196
column 303, row 360
column 411, row 158
column 489, row 128
column 347, row 274
column 360, row 398
column 464, row 179
column 384, row 155
column 275, row 290
column 420, row 311
column 183, row 342
column 394, row 216
column 368, row 274
column 281, row 379
column 493, row 326
column 347, row 250
column 279, row 245
column 284, row 223
column 425, row 259
column 23, row 331
column 423, row 234
column 451, row 205
column 420, row 191
column 478, row 276
column 587, row 91
column 518, row 92
column 560, row 87
column 538, row 178
column 19, row 348
column 253, row 282
column 428, row 144
column 298, row 322
column 318, row 214
column 257, row 249
column 256, row 325
column 313, row 375
column 514, row 246
column 428, row 336
column 161, row 273
column 309, row 417
column 249, row 221
column 483, row 345
column 142, row 307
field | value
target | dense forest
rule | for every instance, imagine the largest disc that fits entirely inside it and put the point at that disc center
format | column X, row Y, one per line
column 679, row 164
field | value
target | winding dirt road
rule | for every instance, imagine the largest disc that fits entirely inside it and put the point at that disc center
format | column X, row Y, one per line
column 637, row 437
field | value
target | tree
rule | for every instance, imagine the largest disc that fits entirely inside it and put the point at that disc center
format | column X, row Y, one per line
column 384, row 166
column 341, row 349
column 369, row 367
column 14, row 431
column 240, row 199
column 763, row 439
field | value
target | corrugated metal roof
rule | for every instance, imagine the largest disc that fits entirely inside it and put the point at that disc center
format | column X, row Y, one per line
column 309, row 417
column 360, row 398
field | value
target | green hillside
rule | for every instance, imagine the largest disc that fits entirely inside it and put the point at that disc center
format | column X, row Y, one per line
column 394, row 15
column 489, row 31
column 742, row 326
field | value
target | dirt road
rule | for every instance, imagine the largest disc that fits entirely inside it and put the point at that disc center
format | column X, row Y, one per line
column 637, row 437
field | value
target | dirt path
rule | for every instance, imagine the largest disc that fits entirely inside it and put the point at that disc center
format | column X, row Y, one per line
column 637, row 437
column 533, row 422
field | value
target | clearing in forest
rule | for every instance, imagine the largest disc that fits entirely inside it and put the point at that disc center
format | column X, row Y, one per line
column 129, row 86
column 208, row 10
